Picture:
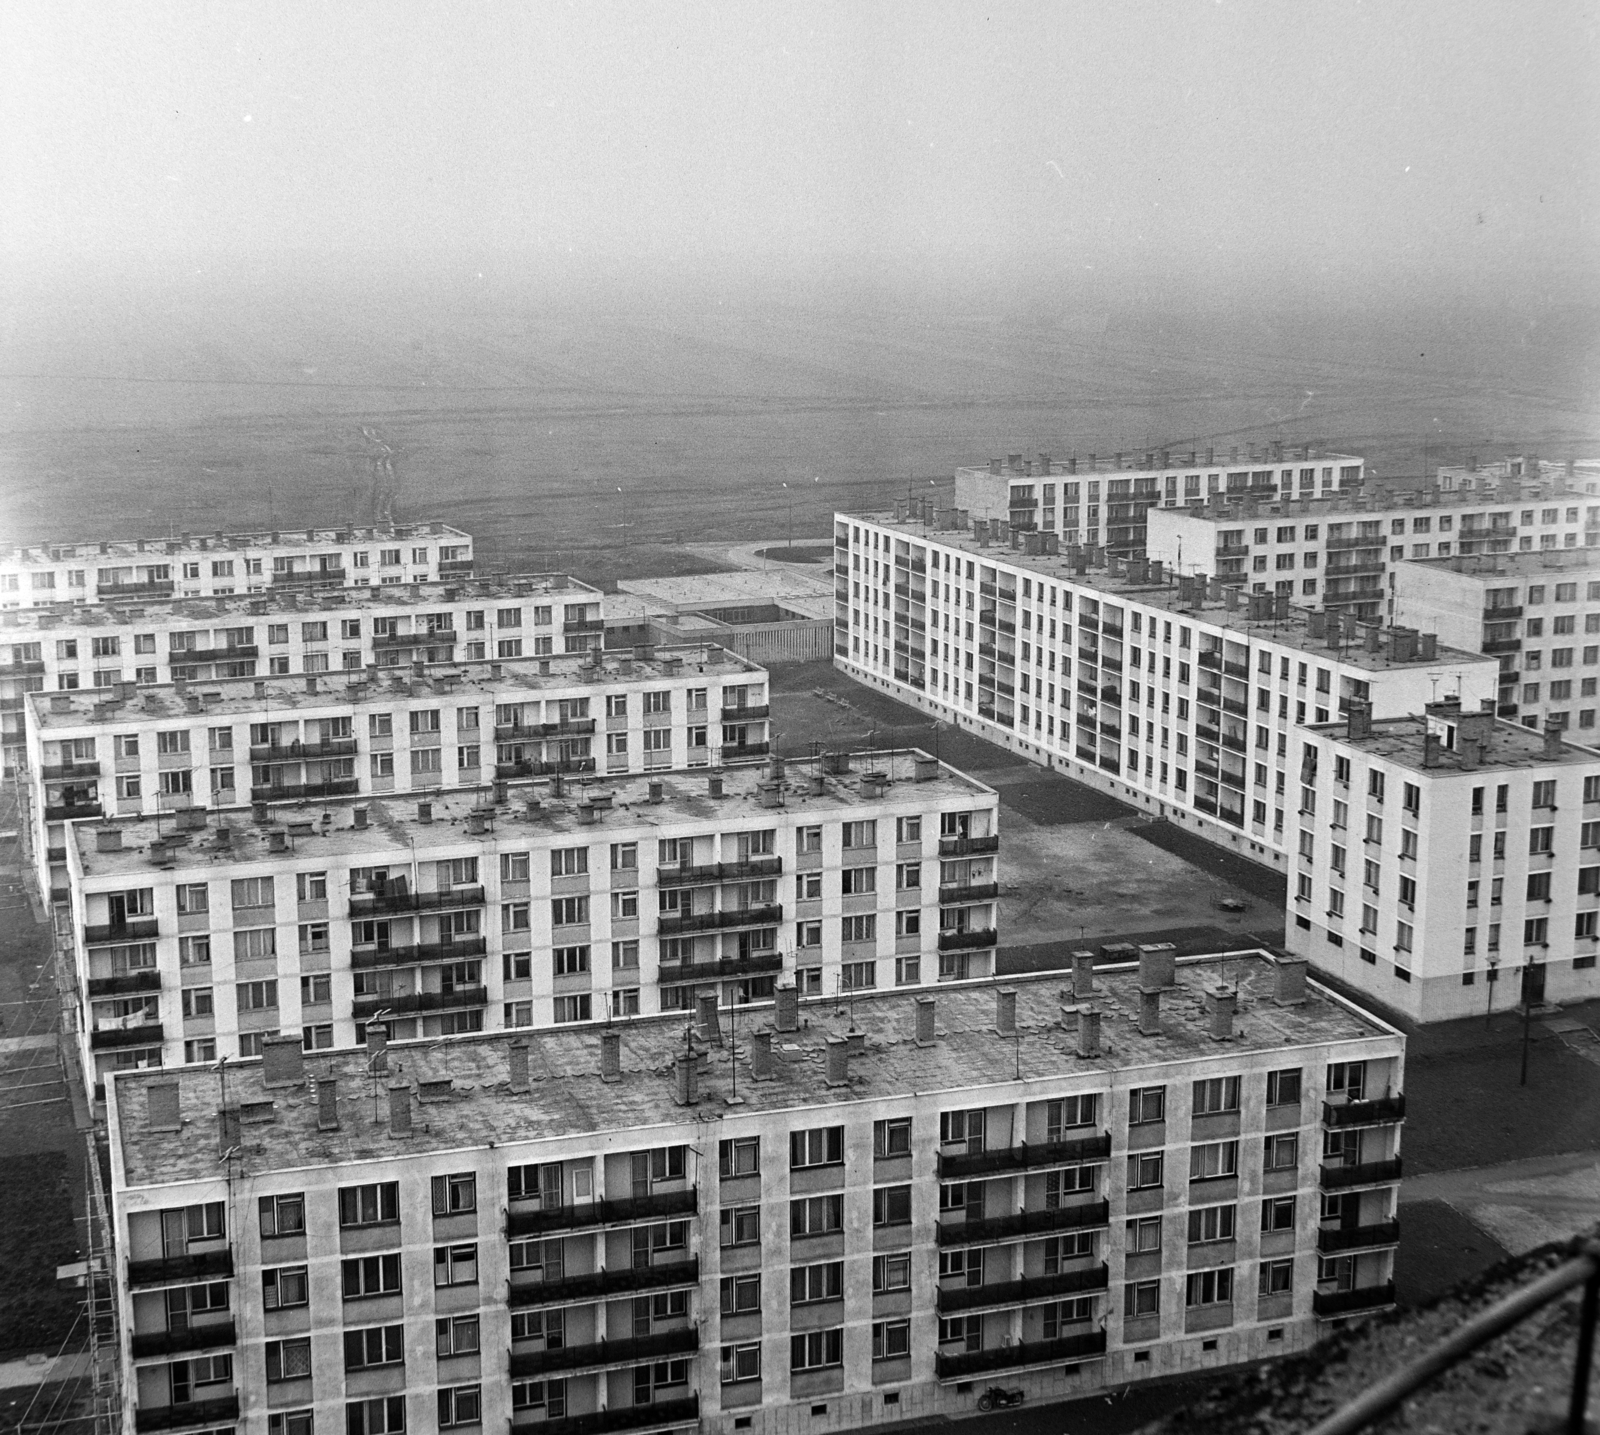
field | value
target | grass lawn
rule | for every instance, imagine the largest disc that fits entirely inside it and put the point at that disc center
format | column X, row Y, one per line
column 36, row 1236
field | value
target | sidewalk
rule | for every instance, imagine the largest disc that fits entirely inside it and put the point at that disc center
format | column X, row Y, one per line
column 1521, row 1204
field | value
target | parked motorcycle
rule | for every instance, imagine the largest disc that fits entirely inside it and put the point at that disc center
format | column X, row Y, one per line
column 998, row 1397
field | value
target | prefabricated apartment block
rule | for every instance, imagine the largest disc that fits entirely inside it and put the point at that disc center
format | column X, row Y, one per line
column 1103, row 500
column 1538, row 613
column 1341, row 553
column 815, row 1217
column 146, row 750
column 1443, row 855
column 531, row 904
column 210, row 565
column 1185, row 698
column 278, row 634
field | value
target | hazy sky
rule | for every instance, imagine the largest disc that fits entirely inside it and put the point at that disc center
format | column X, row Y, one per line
column 1367, row 141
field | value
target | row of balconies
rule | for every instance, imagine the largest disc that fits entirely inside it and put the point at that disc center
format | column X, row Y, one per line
column 765, row 915
column 440, row 637
column 755, row 966
column 712, row 872
column 460, row 949
column 598, row 1285
column 968, row 846
column 589, row 1215
column 665, row 1414
column 369, row 904
column 631, row 1351
column 1024, row 1157
column 301, row 791
column 1061, row 1351
column 302, row 751
column 364, row 1007
column 951, row 1299
column 534, row 732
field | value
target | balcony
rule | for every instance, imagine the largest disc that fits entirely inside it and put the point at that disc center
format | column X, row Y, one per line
column 967, row 846
column 1020, row 1292
column 303, row 751
column 971, row 892
column 175, row 1342
column 598, row 1285
column 745, row 751
column 1331, row 1240
column 1334, row 1303
column 155, row 588
column 1024, row 1225
column 631, row 1351
column 1067, row 1349
column 114, row 1038
column 1236, row 706
column 1354, row 570
column 73, row 811
column 303, row 791
column 583, row 625
column 753, row 712
column 1503, row 645
column 762, row 965
column 664, row 1414
column 125, row 985
column 1501, row 615
column 67, row 771
column 239, row 653
column 459, row 567
column 138, row 930
column 626, row 1211
column 1377, row 1112
column 364, row 1007
column 1210, row 658
column 366, row 958
column 766, row 915
column 223, row 1410
column 1368, row 1173
column 956, row 1165
column 966, row 941
column 22, row 667
column 534, row 768
column 307, row 577
column 202, row 1265
column 368, row 904
column 712, row 872
column 1370, row 540
column 439, row 638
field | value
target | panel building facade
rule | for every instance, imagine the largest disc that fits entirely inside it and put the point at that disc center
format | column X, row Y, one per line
column 818, row 1222
column 529, row 905
column 214, row 565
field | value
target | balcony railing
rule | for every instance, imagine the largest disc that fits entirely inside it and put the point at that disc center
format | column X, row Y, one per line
column 223, row 1410
column 734, row 751
column 194, row 1337
column 583, row 625
column 1503, row 645
column 312, row 576
column 751, row 713
column 762, row 965
column 138, row 930
column 366, row 958
column 967, row 846
column 1376, row 1112
column 240, row 652
column 663, row 1414
column 1501, row 615
column 73, row 811
column 535, row 768
column 1068, row 1348
column 631, row 1351
column 957, row 1164
column 966, row 941
column 597, row 1285
column 626, row 1211
column 458, row 566
column 21, row 667
column 1344, row 1302
column 438, row 638
column 1024, row 1224
column 968, row 892
column 125, row 985
column 1367, row 1173
column 712, row 872
column 766, row 915
column 1021, row 1292
column 303, row 751
column 364, row 1007
column 155, row 588
column 367, row 903
column 67, row 771
column 112, row 1038
column 300, row 791
column 1352, row 1238
column 163, row 1270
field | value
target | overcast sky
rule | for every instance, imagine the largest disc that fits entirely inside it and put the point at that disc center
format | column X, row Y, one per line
column 1196, row 137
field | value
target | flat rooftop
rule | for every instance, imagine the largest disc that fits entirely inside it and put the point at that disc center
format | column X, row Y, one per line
column 746, row 586
column 502, row 680
column 1568, row 561
column 1090, row 464
column 568, row 1098
column 1510, row 746
column 1218, row 508
column 586, row 810
column 151, row 550
column 241, row 607
column 1116, row 585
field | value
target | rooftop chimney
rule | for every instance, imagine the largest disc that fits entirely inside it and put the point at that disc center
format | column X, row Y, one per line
column 926, row 1011
column 1005, row 1011
column 400, row 1111
column 260, row 812
column 311, row 682
column 358, row 816
column 1290, row 986
column 1359, row 719
column 761, row 1055
column 424, row 812
column 376, row 1035
column 611, row 1056
column 787, row 1011
column 277, row 841
column 1082, row 976
column 1158, row 966
column 656, row 789
column 476, row 826
column 1088, row 1032
column 282, row 1061
column 1552, row 739
column 162, row 1113
column 818, row 785
column 838, row 1055
column 1222, row 1001
column 327, row 1104
column 715, row 784
column 686, row 1087
column 1149, row 1011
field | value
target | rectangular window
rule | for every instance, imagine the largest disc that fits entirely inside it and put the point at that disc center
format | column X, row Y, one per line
column 820, row 1146
column 1283, row 1087
column 283, row 1287
column 1213, row 1160
column 1208, row 1287
column 455, row 1195
column 891, row 1137
column 288, row 1360
column 371, row 1205
column 1147, row 1104
column 1277, row 1214
column 1217, row 1094
column 1211, row 1223
column 741, row 1294
column 816, row 1349
column 739, row 1157
column 282, row 1215
column 377, row 1345
column 816, row 1215
column 1145, row 1170
column 455, row 1265
column 809, row 1285
column 891, row 1206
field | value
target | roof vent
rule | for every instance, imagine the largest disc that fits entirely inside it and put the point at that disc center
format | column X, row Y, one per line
column 476, row 825
column 761, row 1055
column 1289, row 988
column 108, row 839
column 1149, row 1011
column 377, row 1039
column 838, row 1056
column 787, row 1009
column 400, row 1111
column 1082, row 976
column 714, row 783
column 277, row 841
column 1088, row 1032
column 327, row 1104
column 686, row 1086
column 1158, row 966
column 1005, row 1011
column 611, row 1056
column 1222, row 1002
column 926, row 1014
column 282, row 1061
column 708, row 1019
column 358, row 816
column 425, row 812
column 518, row 1054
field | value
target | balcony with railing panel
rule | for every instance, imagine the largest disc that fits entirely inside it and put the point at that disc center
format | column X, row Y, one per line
column 415, row 1002
column 1331, row 1240
column 1027, row 1291
column 1064, row 1350
column 1377, row 1112
column 1023, row 1225
column 602, row 1284
column 599, row 1354
column 138, row 929
column 367, row 904
column 219, row 1410
column 763, row 964
column 208, row 1335
column 365, row 958
column 624, row 1211
column 661, row 1415
column 967, row 941
column 766, row 914
column 170, row 1270
column 968, row 846
column 1331, row 1304
column 1028, row 1156
column 1364, row 1173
